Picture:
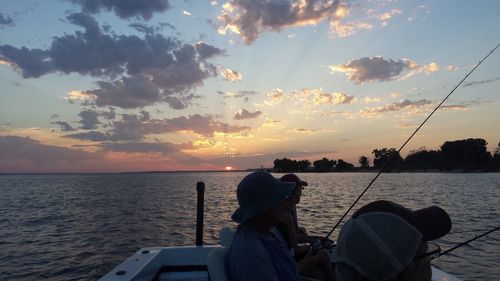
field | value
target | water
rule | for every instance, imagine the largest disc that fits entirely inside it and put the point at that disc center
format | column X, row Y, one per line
column 78, row 227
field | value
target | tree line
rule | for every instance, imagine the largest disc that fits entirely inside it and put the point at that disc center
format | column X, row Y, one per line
column 466, row 155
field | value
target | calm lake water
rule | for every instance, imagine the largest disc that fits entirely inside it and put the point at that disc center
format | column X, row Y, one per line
column 78, row 227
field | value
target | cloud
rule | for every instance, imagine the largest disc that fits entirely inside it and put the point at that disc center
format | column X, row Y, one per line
column 385, row 17
column 238, row 94
column 316, row 97
column 339, row 29
column 452, row 68
column 81, row 96
column 276, row 97
column 404, row 104
column 134, row 127
column 487, row 81
column 245, row 114
column 90, row 136
column 125, row 8
column 250, row 18
column 89, row 119
column 5, row 20
column 157, row 68
column 15, row 149
column 65, row 127
column 371, row 100
column 379, row 69
column 231, row 75
column 164, row 148
column 186, row 13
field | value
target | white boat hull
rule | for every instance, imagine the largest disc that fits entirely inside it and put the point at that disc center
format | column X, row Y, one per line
column 187, row 263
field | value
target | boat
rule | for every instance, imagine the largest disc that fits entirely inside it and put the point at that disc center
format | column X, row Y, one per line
column 198, row 262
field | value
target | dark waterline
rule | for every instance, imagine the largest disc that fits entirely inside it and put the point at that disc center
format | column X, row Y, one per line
column 79, row 226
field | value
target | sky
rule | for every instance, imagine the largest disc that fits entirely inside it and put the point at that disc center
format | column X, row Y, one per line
column 159, row 85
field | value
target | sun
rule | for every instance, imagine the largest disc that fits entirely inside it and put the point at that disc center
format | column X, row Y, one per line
column 228, row 168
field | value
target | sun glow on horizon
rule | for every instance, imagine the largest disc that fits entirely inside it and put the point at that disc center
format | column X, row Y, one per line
column 228, row 168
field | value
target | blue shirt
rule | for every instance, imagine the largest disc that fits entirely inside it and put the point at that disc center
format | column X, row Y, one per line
column 254, row 257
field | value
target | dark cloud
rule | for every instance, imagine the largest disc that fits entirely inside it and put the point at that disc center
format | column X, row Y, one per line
column 238, row 94
column 32, row 63
column 134, row 127
column 245, row 114
column 207, row 51
column 24, row 149
column 398, row 106
column 373, row 69
column 251, row 18
column 142, row 28
column 157, row 68
column 89, row 119
column 164, row 148
column 5, row 20
column 90, row 136
column 487, row 81
column 65, row 127
column 125, row 8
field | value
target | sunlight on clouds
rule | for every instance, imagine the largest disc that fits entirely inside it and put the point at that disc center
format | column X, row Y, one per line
column 347, row 29
column 371, row 100
column 231, row 75
column 79, row 96
column 387, row 16
column 186, row 13
column 316, row 97
column 276, row 97
column 452, row 68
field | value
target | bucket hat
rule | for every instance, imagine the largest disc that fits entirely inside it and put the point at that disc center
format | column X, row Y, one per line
column 258, row 192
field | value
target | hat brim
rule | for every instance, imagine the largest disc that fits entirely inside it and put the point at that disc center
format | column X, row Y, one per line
column 432, row 222
column 282, row 191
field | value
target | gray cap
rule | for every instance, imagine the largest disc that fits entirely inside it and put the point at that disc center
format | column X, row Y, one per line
column 377, row 245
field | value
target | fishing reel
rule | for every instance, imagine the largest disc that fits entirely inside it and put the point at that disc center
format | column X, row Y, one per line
column 319, row 244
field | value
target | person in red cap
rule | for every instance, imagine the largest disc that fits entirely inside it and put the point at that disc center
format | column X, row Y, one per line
column 301, row 234
column 315, row 264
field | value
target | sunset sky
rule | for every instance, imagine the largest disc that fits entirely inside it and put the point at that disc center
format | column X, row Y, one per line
column 109, row 86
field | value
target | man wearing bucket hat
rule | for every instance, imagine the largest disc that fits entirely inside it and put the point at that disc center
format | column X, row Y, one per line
column 385, row 241
column 257, row 252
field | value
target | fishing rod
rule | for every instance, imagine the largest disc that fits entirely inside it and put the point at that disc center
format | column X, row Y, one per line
column 386, row 164
column 465, row 243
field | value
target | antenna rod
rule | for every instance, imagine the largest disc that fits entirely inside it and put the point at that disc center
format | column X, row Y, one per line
column 407, row 140
column 467, row 242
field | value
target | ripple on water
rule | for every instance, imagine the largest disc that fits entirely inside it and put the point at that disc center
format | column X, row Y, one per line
column 78, row 227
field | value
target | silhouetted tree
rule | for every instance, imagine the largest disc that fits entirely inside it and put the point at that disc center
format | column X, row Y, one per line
column 324, row 165
column 285, row 165
column 344, row 166
column 496, row 158
column 384, row 154
column 466, row 155
column 423, row 160
column 304, row 165
column 364, row 162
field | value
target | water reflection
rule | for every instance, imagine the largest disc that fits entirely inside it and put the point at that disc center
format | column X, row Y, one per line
column 80, row 226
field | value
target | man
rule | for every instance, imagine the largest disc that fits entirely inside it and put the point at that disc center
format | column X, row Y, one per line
column 386, row 241
column 314, row 264
column 257, row 252
column 302, row 236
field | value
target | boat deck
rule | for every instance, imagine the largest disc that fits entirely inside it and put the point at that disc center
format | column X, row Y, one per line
column 187, row 263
